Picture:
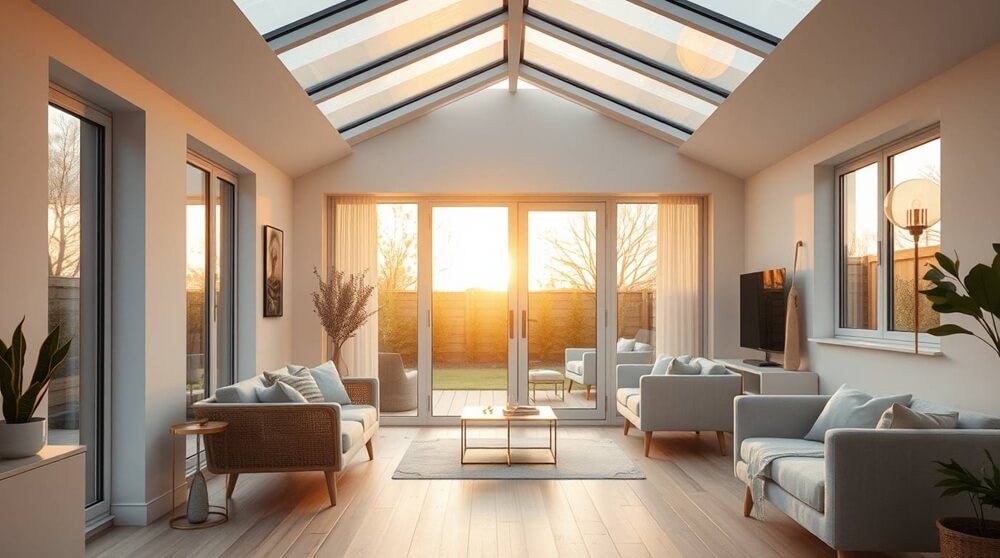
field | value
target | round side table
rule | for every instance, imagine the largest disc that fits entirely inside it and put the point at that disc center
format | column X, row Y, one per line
column 216, row 514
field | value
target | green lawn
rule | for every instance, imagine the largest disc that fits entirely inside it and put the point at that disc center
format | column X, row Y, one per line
column 472, row 379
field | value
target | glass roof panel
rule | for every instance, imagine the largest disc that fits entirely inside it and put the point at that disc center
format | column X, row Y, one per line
column 774, row 17
column 415, row 80
column 378, row 36
column 656, row 38
column 628, row 87
column 268, row 15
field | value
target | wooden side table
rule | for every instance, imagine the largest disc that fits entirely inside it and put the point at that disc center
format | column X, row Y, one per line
column 216, row 514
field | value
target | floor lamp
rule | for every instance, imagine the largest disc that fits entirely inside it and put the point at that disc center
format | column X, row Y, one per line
column 914, row 205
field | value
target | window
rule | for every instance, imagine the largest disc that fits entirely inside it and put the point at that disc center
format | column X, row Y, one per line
column 636, row 278
column 876, row 259
column 78, row 242
column 397, row 298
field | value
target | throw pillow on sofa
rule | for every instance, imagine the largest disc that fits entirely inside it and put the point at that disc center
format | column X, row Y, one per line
column 852, row 408
column 280, row 392
column 330, row 384
column 678, row 368
column 626, row 345
column 899, row 416
column 301, row 380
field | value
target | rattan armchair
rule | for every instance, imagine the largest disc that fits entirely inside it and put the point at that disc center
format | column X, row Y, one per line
column 284, row 437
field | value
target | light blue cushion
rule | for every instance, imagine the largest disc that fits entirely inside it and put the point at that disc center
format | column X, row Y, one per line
column 678, row 368
column 966, row 419
column 362, row 414
column 240, row 392
column 351, row 433
column 626, row 345
column 329, row 382
column 852, row 408
column 662, row 363
column 802, row 477
column 280, row 392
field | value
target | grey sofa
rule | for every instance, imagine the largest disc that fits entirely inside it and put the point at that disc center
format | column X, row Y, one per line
column 282, row 437
column 668, row 403
column 874, row 489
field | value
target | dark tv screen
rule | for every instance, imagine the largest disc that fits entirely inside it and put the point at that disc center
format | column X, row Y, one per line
column 762, row 310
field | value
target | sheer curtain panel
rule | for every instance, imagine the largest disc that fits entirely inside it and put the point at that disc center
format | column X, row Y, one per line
column 679, row 289
column 355, row 250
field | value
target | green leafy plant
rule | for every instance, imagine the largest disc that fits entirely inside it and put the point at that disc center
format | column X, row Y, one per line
column 19, row 405
column 977, row 296
column 981, row 492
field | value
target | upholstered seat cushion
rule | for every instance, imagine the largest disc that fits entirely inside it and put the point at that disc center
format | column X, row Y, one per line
column 575, row 366
column 624, row 394
column 351, row 433
column 802, row 477
column 544, row 376
column 365, row 415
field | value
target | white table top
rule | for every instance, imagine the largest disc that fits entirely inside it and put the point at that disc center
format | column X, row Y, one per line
column 48, row 454
column 479, row 413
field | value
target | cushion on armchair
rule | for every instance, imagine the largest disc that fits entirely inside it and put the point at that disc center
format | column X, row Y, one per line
column 626, row 345
column 575, row 366
column 642, row 347
column 678, row 368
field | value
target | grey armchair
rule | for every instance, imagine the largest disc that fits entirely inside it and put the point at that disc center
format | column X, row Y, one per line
column 398, row 385
column 581, row 365
column 874, row 489
column 677, row 403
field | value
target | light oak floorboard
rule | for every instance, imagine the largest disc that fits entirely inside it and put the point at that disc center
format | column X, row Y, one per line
column 689, row 505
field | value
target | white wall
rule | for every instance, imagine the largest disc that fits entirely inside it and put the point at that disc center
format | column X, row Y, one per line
column 793, row 199
column 148, row 386
column 528, row 143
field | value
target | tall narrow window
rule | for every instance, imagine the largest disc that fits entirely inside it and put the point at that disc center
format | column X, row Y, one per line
column 397, row 316
column 210, row 280
column 77, row 257
column 636, row 277
column 876, row 260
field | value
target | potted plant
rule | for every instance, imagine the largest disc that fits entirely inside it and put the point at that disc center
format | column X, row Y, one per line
column 976, row 296
column 21, row 433
column 342, row 306
column 963, row 537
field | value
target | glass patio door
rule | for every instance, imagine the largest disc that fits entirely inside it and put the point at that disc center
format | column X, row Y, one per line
column 561, row 307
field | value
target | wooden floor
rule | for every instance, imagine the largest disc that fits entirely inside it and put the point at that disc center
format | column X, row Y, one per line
column 451, row 402
column 689, row 505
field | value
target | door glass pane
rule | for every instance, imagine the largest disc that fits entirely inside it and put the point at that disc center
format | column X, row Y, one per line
column 625, row 86
column 469, row 306
column 268, row 15
column 922, row 161
column 225, row 281
column 379, row 35
column 562, row 308
column 656, row 38
column 637, row 275
column 774, row 17
column 860, row 216
column 414, row 79
column 397, row 315
column 76, row 302
column 197, row 257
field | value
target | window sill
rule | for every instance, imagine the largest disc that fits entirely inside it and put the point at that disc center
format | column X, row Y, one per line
column 926, row 349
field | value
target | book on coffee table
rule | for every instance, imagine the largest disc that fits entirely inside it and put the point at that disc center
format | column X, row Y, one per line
column 520, row 410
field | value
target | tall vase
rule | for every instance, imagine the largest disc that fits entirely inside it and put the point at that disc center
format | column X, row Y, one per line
column 339, row 362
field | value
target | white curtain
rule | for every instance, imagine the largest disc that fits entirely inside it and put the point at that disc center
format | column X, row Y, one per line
column 679, row 290
column 355, row 250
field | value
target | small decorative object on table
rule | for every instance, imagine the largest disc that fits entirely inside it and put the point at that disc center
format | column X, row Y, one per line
column 199, row 514
column 21, row 433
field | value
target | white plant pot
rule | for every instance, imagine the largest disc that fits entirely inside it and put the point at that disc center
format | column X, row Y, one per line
column 22, row 439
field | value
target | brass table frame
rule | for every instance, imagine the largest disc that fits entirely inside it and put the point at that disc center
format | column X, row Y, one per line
column 553, row 438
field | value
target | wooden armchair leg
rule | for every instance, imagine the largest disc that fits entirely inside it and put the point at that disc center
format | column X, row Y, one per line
column 647, row 442
column 627, row 425
column 722, row 442
column 231, row 484
column 747, row 503
column 587, row 396
column 331, row 486
column 371, row 450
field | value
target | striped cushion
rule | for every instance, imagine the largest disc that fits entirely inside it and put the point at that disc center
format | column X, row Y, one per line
column 301, row 380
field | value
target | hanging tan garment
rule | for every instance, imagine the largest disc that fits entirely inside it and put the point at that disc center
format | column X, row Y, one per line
column 793, row 358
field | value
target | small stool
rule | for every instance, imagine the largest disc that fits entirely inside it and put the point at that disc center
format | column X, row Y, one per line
column 547, row 377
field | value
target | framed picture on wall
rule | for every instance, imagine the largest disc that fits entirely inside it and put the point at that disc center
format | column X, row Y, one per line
column 274, row 272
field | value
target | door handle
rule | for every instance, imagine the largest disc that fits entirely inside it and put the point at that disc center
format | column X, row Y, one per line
column 524, row 324
column 510, row 324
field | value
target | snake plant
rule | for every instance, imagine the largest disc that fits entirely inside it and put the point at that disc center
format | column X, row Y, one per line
column 19, row 404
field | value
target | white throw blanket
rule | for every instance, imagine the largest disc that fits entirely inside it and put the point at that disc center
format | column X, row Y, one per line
column 759, row 455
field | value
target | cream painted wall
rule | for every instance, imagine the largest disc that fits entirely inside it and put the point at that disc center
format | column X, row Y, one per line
column 148, row 389
column 528, row 143
column 793, row 199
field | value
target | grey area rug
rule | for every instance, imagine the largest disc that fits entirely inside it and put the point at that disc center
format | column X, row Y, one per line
column 578, row 458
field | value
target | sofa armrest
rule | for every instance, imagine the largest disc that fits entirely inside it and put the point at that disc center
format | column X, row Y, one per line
column 362, row 390
column 576, row 353
column 774, row 416
column 880, row 492
column 629, row 374
column 273, row 436
column 696, row 402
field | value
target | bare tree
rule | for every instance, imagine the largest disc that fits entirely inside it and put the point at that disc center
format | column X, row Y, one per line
column 574, row 261
column 64, row 198
column 397, row 251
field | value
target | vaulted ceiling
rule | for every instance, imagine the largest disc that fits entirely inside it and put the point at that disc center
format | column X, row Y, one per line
column 662, row 66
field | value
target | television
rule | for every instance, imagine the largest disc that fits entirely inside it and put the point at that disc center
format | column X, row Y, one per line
column 762, row 313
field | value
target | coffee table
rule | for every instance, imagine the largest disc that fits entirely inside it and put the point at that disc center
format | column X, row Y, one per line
column 477, row 415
